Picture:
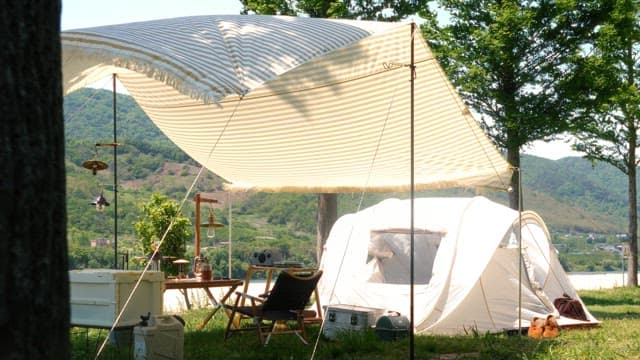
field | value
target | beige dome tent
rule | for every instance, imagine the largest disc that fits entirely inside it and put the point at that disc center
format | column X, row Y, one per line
column 467, row 271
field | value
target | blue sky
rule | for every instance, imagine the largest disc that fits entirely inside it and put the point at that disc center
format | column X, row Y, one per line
column 88, row 13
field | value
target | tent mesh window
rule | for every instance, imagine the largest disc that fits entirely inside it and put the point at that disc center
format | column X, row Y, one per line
column 389, row 253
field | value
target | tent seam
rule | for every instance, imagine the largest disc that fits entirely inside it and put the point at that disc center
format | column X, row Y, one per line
column 486, row 303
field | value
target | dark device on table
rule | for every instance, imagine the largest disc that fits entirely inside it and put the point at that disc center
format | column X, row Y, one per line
column 263, row 258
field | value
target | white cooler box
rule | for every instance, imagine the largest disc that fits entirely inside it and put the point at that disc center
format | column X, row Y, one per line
column 98, row 296
column 163, row 338
column 339, row 318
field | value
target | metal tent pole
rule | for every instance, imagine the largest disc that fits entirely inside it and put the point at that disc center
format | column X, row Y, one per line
column 412, row 68
column 230, row 227
column 115, row 178
column 520, row 259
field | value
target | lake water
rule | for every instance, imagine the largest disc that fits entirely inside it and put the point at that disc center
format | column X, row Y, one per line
column 597, row 280
column 174, row 300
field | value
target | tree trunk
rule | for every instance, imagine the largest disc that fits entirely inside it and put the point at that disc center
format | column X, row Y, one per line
column 34, row 285
column 513, row 158
column 327, row 216
column 632, row 117
column 632, row 278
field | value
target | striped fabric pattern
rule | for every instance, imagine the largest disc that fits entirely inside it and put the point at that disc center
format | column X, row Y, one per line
column 293, row 104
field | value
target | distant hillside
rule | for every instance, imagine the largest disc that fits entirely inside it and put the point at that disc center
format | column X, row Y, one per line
column 574, row 196
column 570, row 194
column 147, row 162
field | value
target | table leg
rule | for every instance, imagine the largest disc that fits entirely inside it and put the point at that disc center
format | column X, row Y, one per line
column 186, row 298
column 267, row 285
column 246, row 284
column 212, row 299
column 217, row 305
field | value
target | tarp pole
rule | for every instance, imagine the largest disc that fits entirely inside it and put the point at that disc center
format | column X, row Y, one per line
column 115, row 176
column 412, row 68
column 230, row 227
column 519, row 250
column 196, row 245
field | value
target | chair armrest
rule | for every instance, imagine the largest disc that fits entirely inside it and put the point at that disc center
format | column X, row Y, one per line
column 249, row 297
column 304, row 313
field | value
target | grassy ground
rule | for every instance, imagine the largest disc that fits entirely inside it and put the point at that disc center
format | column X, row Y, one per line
column 618, row 337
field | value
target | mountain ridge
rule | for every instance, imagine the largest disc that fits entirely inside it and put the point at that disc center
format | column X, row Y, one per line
column 571, row 194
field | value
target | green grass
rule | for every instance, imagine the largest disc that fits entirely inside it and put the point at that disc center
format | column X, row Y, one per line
column 618, row 337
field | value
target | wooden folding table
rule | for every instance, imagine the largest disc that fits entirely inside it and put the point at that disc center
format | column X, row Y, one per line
column 184, row 284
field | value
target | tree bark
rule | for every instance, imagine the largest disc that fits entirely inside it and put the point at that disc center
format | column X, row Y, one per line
column 632, row 278
column 513, row 158
column 632, row 117
column 34, row 286
column 327, row 216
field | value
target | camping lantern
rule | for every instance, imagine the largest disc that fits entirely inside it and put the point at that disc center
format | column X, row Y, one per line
column 211, row 225
column 100, row 202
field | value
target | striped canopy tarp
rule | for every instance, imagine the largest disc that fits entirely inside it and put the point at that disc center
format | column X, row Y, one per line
column 293, row 104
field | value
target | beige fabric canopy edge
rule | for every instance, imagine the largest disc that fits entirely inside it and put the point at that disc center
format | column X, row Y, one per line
column 293, row 104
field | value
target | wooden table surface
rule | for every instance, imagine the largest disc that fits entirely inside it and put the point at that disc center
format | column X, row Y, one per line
column 198, row 283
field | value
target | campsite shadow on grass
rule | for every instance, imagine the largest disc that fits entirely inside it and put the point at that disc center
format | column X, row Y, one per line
column 624, row 296
column 623, row 304
column 629, row 314
column 209, row 343
column 366, row 345
column 482, row 346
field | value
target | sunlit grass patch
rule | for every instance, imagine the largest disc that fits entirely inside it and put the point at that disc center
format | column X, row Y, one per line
column 617, row 337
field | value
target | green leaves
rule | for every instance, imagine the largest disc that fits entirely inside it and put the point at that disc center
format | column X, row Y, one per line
column 509, row 61
column 605, row 85
column 505, row 59
column 353, row 9
column 161, row 216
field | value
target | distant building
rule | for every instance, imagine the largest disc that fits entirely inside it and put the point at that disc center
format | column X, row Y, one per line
column 611, row 248
column 100, row 242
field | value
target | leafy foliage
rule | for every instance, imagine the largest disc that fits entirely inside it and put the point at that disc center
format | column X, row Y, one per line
column 394, row 10
column 607, row 88
column 284, row 209
column 508, row 60
column 606, row 85
column 161, row 222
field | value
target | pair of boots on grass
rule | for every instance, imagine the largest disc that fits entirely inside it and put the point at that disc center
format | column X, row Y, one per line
column 543, row 328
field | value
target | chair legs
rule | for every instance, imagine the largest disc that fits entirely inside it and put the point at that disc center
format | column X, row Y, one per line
column 299, row 331
column 264, row 341
column 302, row 337
column 265, row 323
column 266, row 329
column 235, row 320
column 229, row 323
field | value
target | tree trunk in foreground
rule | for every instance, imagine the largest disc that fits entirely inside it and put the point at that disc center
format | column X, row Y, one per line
column 327, row 216
column 34, row 287
column 632, row 278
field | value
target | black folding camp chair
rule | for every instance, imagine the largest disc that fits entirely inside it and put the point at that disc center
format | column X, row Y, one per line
column 280, row 311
